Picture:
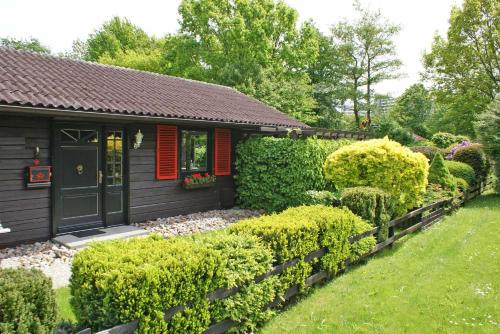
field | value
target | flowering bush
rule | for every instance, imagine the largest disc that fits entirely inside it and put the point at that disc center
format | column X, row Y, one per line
column 199, row 178
column 456, row 147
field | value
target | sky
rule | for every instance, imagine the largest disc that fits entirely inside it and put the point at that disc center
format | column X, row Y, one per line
column 57, row 23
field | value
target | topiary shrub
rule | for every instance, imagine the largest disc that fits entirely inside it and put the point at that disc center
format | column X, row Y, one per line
column 372, row 204
column 445, row 139
column 461, row 170
column 275, row 173
column 428, row 151
column 461, row 184
column 474, row 156
column 120, row 281
column 439, row 174
column 27, row 302
column 301, row 230
column 384, row 164
column 117, row 282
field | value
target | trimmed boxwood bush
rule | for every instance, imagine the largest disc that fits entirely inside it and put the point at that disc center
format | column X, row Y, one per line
column 384, row 164
column 27, row 302
column 439, row 174
column 474, row 156
column 428, row 151
column 116, row 282
column 461, row 170
column 299, row 231
column 119, row 281
column 275, row 173
column 372, row 204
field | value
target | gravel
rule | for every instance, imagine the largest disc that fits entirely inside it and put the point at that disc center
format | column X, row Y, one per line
column 51, row 259
column 197, row 222
column 55, row 260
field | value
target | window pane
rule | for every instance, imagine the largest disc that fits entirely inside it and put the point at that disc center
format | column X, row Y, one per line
column 194, row 150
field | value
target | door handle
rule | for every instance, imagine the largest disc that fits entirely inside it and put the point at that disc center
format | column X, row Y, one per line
column 99, row 177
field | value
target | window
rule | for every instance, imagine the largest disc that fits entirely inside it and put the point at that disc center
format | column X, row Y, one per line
column 114, row 158
column 194, row 155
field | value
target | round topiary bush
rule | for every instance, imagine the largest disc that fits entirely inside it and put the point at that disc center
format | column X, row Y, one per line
column 474, row 156
column 461, row 170
column 384, row 164
column 27, row 302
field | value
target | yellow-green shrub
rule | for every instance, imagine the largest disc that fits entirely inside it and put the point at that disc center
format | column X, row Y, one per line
column 384, row 164
column 299, row 231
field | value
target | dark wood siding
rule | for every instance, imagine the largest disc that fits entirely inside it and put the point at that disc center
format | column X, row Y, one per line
column 151, row 198
column 25, row 212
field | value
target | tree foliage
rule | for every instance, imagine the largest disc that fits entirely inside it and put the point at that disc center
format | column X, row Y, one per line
column 368, row 53
column 464, row 66
column 412, row 109
column 30, row 44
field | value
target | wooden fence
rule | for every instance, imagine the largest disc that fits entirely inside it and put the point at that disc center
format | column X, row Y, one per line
column 398, row 228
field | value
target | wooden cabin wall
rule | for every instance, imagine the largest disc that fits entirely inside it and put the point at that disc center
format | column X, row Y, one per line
column 150, row 198
column 25, row 212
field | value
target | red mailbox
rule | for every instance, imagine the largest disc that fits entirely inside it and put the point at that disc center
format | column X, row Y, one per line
column 38, row 176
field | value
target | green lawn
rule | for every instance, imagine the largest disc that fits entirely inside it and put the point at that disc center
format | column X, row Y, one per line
column 443, row 280
column 62, row 299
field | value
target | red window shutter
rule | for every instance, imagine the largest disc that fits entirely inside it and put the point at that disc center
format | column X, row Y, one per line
column 222, row 152
column 166, row 152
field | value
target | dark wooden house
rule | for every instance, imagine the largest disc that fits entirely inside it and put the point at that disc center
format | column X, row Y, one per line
column 85, row 145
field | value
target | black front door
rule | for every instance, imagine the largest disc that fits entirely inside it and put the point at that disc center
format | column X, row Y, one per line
column 88, row 190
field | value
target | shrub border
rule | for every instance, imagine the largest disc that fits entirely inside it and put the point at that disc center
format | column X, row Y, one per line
column 435, row 211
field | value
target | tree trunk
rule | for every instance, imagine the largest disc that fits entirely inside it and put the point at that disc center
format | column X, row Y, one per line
column 368, row 94
column 355, row 102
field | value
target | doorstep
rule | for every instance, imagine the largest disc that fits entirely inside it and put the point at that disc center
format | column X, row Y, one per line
column 82, row 238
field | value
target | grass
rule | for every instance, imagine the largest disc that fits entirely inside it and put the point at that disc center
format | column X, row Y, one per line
column 64, row 308
column 443, row 280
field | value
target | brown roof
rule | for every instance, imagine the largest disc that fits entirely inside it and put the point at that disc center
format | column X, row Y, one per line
column 31, row 79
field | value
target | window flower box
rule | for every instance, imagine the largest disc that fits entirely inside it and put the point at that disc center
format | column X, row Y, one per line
column 198, row 181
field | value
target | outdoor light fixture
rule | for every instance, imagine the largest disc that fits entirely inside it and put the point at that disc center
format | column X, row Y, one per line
column 138, row 139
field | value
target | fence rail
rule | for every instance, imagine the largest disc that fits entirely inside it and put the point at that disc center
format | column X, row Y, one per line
column 420, row 218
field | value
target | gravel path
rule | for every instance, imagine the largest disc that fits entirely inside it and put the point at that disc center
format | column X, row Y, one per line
column 55, row 261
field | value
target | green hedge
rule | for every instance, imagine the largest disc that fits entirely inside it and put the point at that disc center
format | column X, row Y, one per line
column 474, row 156
column 322, row 197
column 119, row 281
column 299, row 231
column 461, row 170
column 275, row 173
column 27, row 302
column 372, row 204
column 384, row 164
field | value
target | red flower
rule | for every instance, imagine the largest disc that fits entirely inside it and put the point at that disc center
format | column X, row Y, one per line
column 206, row 174
column 187, row 180
column 197, row 176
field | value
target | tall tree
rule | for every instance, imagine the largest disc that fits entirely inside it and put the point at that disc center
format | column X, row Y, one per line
column 413, row 108
column 464, row 66
column 30, row 44
column 368, row 48
column 254, row 46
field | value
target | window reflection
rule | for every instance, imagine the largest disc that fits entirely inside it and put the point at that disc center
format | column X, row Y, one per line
column 114, row 158
column 194, row 151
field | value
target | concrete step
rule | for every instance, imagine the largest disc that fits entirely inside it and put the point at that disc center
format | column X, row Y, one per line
column 81, row 239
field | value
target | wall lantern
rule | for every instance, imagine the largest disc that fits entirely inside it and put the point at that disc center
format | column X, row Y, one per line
column 138, row 139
